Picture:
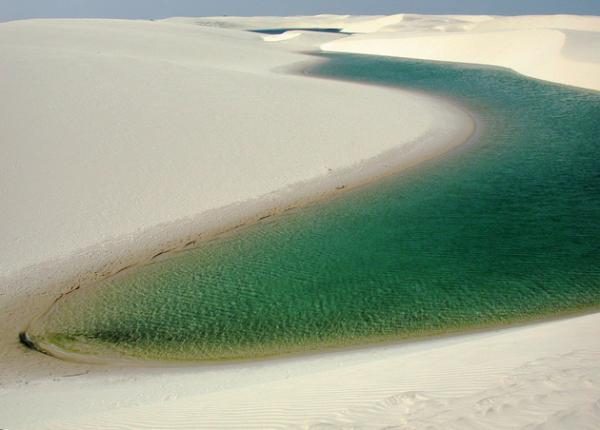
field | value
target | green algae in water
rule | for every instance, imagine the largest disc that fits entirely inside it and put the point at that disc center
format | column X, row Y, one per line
column 504, row 230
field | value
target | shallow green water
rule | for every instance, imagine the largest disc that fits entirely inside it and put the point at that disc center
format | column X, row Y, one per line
column 504, row 230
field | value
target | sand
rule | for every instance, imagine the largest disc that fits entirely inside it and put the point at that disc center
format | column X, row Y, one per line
column 545, row 376
column 113, row 127
column 123, row 139
column 553, row 48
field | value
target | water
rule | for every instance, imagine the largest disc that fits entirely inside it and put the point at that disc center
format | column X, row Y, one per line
column 504, row 230
column 283, row 30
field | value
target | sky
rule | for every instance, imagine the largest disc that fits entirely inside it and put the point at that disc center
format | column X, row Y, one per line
column 146, row 9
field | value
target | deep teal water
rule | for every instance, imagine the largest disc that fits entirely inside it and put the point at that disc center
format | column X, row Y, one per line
column 500, row 231
column 283, row 30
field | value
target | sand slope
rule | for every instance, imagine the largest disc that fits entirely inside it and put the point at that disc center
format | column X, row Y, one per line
column 111, row 127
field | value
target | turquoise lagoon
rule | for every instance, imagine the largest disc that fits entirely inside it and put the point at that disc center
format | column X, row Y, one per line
column 504, row 230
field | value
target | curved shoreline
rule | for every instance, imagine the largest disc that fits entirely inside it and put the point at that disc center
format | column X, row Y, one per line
column 366, row 344
column 219, row 185
column 294, row 197
column 371, row 171
column 454, row 331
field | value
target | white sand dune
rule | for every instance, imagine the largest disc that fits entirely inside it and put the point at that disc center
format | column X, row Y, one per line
column 121, row 138
column 115, row 126
column 558, row 48
column 541, row 47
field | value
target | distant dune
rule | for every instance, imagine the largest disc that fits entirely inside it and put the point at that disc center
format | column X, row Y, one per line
column 559, row 49
column 556, row 48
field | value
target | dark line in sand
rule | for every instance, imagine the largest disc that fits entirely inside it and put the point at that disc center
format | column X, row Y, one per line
column 30, row 344
column 161, row 253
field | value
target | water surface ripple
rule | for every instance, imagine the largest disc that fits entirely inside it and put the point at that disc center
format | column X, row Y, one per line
column 501, row 231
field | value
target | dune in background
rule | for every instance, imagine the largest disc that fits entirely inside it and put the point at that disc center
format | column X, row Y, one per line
column 555, row 48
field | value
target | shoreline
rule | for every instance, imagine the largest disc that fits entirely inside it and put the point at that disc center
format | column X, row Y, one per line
column 290, row 203
column 132, row 361
column 232, row 219
column 365, row 345
column 33, row 289
column 466, row 64
column 471, row 365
